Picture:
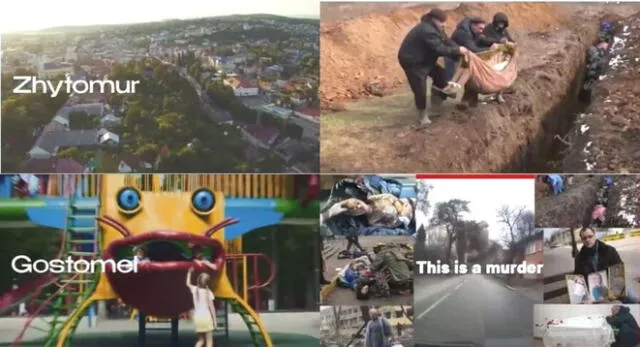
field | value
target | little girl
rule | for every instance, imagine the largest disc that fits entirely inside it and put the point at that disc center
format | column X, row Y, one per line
column 204, row 312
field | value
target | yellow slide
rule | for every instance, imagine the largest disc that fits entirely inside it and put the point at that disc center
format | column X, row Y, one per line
column 259, row 334
column 72, row 322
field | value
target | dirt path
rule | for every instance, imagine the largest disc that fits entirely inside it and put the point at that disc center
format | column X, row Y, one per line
column 491, row 138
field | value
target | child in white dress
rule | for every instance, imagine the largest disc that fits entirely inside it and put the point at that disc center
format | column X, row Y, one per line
column 204, row 313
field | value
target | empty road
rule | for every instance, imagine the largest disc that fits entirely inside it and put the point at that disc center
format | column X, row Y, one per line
column 472, row 309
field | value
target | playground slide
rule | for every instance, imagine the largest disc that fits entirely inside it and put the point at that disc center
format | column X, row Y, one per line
column 13, row 298
column 259, row 334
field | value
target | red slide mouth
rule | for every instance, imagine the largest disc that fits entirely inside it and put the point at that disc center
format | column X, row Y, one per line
column 159, row 288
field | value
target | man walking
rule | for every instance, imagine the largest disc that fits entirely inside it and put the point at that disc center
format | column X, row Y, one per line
column 378, row 331
column 418, row 55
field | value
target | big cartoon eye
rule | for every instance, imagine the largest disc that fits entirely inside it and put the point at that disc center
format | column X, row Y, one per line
column 203, row 201
column 129, row 200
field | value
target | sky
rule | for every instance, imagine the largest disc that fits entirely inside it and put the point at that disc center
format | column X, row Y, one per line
column 485, row 197
column 43, row 14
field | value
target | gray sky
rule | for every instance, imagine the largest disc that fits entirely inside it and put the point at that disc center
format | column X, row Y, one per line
column 485, row 197
column 43, row 14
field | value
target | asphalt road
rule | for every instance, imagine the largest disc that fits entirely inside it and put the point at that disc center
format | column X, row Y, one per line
column 559, row 261
column 472, row 309
column 344, row 296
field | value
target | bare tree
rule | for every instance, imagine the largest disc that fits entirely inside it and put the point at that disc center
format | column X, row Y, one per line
column 510, row 217
column 422, row 199
column 519, row 223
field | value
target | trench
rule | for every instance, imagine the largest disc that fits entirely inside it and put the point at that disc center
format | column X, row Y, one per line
column 544, row 152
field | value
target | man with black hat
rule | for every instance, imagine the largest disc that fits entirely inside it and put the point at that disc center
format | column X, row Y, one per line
column 496, row 31
column 418, row 55
column 468, row 33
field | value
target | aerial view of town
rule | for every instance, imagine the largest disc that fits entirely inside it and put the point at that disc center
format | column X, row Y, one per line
column 218, row 93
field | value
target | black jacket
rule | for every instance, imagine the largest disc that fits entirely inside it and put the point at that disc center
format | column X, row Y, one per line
column 464, row 36
column 629, row 331
column 607, row 256
column 424, row 44
column 493, row 34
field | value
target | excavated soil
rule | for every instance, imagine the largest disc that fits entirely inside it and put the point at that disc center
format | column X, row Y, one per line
column 573, row 207
column 606, row 138
column 515, row 136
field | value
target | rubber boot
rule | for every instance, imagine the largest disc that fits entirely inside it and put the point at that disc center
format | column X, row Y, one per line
column 423, row 116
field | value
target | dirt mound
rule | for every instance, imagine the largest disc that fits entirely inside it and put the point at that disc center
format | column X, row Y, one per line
column 624, row 204
column 573, row 207
column 515, row 136
column 606, row 138
column 364, row 49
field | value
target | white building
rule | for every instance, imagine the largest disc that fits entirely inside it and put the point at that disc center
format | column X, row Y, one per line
column 240, row 87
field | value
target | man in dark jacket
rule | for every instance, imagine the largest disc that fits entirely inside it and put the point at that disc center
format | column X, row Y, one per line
column 418, row 55
column 594, row 255
column 468, row 33
column 497, row 31
column 628, row 331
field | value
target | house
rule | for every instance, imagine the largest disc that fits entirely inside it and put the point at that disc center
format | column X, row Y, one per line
column 223, row 117
column 531, row 249
column 60, row 121
column 49, row 143
column 289, row 148
column 110, row 120
column 128, row 163
column 241, row 87
column 221, row 63
column 57, row 124
column 50, row 70
column 280, row 112
column 310, row 114
column 52, row 165
column 260, row 136
column 92, row 109
column 107, row 138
